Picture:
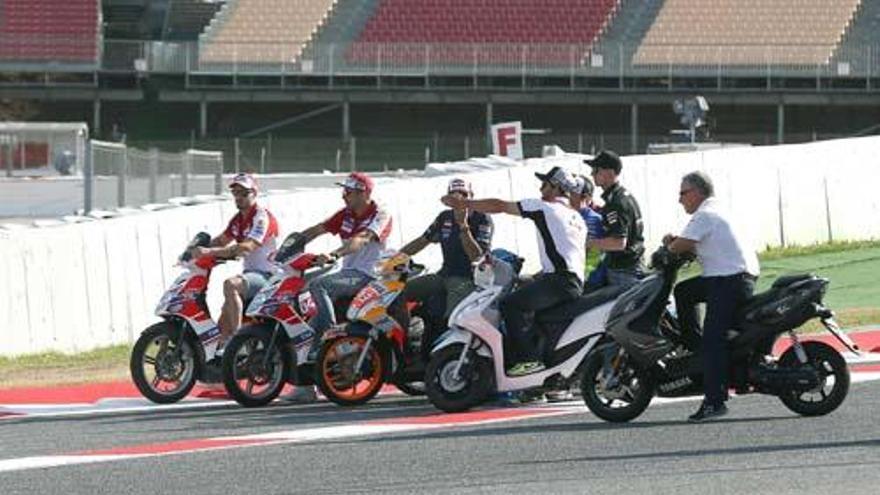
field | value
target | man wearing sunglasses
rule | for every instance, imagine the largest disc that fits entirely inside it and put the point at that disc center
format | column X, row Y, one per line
column 730, row 269
column 252, row 234
column 363, row 227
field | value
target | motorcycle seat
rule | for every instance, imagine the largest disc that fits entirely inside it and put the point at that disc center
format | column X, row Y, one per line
column 786, row 280
column 568, row 311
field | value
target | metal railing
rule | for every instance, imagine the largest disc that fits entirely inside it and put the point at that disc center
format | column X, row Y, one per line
column 119, row 175
column 608, row 60
column 480, row 59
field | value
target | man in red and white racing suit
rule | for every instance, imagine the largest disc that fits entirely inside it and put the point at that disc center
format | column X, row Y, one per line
column 364, row 227
column 252, row 234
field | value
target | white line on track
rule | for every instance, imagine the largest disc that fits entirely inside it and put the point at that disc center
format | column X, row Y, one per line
column 362, row 429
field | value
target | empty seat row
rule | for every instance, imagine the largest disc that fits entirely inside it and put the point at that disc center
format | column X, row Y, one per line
column 248, row 29
column 511, row 22
column 49, row 30
column 696, row 32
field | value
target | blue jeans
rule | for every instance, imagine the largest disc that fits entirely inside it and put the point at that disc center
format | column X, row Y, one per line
column 331, row 287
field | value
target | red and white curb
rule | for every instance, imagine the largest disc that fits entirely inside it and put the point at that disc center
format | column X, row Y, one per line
column 106, row 399
column 363, row 429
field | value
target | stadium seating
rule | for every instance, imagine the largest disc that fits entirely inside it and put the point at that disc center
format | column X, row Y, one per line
column 42, row 31
column 187, row 18
column 493, row 32
column 746, row 32
column 262, row 31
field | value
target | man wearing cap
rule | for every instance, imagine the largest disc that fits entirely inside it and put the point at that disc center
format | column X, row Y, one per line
column 623, row 243
column 253, row 234
column 582, row 201
column 464, row 235
column 363, row 227
column 562, row 235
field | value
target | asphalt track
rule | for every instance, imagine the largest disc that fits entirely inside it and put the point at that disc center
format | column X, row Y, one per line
column 399, row 444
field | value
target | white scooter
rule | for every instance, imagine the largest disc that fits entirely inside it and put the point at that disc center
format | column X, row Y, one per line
column 467, row 362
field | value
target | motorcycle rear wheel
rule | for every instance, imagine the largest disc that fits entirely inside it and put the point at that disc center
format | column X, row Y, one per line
column 160, row 370
column 336, row 376
column 250, row 378
column 831, row 367
column 623, row 402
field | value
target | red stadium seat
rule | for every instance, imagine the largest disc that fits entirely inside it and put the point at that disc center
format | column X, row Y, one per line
column 508, row 24
column 49, row 30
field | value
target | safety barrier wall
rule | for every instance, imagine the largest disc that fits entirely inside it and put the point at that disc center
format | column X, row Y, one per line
column 80, row 286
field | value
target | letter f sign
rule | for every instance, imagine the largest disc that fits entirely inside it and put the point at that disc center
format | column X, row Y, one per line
column 507, row 140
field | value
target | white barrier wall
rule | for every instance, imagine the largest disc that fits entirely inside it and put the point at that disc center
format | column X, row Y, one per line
column 80, row 286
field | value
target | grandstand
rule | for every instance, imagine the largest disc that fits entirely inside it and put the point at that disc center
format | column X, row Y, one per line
column 434, row 74
column 746, row 32
column 252, row 33
column 186, row 19
column 44, row 31
column 485, row 32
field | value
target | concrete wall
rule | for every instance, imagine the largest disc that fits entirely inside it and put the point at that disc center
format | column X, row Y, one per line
column 80, row 286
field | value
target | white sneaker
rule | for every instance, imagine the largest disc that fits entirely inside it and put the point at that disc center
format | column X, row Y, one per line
column 301, row 395
column 559, row 395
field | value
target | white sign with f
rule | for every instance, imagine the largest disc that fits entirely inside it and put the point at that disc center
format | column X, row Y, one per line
column 507, row 140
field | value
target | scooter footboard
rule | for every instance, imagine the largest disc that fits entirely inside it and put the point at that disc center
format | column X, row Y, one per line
column 455, row 336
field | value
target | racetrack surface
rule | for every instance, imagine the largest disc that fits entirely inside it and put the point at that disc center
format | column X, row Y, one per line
column 760, row 447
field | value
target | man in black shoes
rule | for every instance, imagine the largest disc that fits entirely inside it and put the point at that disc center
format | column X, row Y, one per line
column 730, row 269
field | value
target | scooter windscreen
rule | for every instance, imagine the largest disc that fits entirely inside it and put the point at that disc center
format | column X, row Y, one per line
column 202, row 239
column 294, row 244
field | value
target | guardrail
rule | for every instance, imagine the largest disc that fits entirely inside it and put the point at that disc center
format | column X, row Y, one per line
column 601, row 60
column 482, row 59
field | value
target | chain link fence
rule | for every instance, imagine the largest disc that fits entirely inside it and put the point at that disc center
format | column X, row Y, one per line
column 127, row 176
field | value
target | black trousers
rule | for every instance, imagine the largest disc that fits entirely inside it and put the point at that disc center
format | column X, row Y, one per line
column 519, row 307
column 723, row 296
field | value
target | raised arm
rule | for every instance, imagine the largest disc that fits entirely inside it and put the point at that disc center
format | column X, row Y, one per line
column 489, row 205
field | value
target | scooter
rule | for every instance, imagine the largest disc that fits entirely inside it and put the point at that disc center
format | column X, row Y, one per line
column 170, row 356
column 467, row 362
column 381, row 342
column 273, row 350
column 650, row 356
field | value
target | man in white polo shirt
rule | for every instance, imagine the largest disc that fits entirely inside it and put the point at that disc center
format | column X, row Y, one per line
column 730, row 269
column 562, row 236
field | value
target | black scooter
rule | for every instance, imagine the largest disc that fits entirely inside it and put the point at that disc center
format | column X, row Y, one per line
column 651, row 356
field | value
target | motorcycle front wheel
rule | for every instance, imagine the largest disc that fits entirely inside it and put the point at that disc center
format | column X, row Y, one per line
column 617, row 396
column 338, row 378
column 254, row 373
column 456, row 393
column 162, row 364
